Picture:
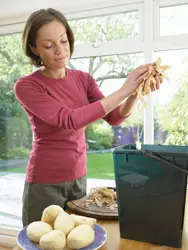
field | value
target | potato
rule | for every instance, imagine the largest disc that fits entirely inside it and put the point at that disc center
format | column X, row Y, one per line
column 80, row 220
column 54, row 240
column 50, row 213
column 80, row 236
column 64, row 222
column 37, row 229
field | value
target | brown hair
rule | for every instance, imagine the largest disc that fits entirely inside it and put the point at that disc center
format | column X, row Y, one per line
column 33, row 24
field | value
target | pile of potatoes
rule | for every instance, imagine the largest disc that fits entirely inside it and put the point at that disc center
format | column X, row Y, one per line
column 58, row 230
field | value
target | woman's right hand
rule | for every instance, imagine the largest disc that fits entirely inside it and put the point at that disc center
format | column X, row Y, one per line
column 135, row 77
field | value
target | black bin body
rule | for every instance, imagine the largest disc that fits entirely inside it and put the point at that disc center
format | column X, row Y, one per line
column 151, row 195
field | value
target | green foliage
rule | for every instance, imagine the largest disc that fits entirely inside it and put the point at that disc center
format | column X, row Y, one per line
column 101, row 29
column 174, row 117
column 13, row 65
column 136, row 120
column 14, row 130
column 17, row 153
column 101, row 133
column 17, row 132
column 14, row 126
column 4, row 118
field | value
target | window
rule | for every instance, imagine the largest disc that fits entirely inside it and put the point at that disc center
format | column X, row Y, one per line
column 101, row 28
column 173, row 20
column 15, row 133
column 110, row 73
column 171, row 105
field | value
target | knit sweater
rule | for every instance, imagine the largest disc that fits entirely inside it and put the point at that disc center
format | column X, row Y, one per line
column 59, row 110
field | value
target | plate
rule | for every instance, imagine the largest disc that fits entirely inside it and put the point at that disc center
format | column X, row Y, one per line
column 104, row 212
column 100, row 238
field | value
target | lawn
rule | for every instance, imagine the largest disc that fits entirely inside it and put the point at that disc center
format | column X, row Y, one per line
column 19, row 170
column 100, row 166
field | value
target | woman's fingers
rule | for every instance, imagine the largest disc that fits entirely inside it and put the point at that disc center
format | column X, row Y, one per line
column 158, row 82
column 161, row 78
column 143, row 69
column 145, row 66
column 142, row 77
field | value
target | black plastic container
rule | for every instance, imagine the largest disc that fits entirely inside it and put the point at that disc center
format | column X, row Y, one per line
column 151, row 189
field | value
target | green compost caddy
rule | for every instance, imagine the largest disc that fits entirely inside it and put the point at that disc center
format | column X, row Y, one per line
column 151, row 188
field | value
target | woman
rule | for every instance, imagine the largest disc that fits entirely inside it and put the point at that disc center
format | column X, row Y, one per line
column 59, row 103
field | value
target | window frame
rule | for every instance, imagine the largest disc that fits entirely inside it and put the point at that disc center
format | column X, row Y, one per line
column 125, row 46
column 169, row 42
column 8, row 236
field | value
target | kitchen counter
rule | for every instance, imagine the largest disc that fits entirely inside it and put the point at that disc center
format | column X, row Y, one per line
column 114, row 242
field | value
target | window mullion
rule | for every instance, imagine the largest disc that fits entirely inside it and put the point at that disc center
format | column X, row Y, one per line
column 148, row 47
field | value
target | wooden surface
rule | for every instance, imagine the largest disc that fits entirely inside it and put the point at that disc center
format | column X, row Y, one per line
column 114, row 242
column 7, row 248
column 77, row 206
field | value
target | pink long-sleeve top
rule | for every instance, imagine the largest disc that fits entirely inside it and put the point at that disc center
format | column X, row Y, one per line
column 59, row 110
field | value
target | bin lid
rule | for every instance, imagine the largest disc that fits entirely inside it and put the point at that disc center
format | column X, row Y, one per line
column 155, row 152
column 154, row 148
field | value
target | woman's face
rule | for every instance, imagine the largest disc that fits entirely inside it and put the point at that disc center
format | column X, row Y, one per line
column 52, row 45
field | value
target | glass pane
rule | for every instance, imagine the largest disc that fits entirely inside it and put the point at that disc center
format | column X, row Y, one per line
column 173, row 20
column 15, row 133
column 106, row 28
column 110, row 73
column 171, row 101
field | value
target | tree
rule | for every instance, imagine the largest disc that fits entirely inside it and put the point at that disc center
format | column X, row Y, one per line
column 99, row 135
column 136, row 120
column 101, row 29
column 14, row 126
column 174, row 117
column 13, row 65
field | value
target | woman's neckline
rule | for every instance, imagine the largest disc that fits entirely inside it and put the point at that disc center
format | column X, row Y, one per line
column 51, row 77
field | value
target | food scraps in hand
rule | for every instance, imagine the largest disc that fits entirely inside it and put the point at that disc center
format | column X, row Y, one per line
column 149, row 83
